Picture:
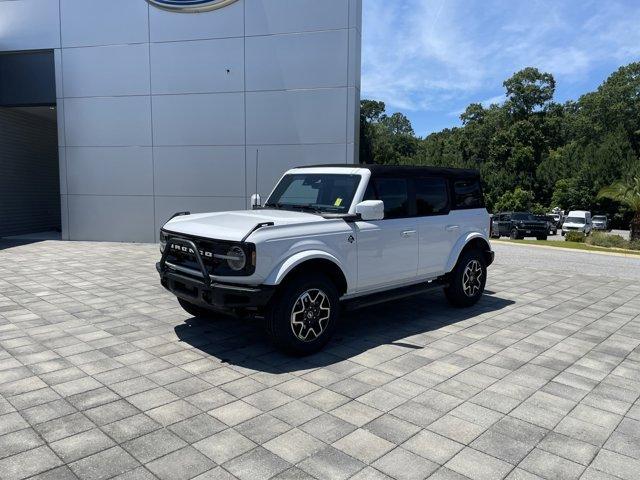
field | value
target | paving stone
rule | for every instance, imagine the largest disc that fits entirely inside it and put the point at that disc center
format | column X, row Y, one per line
column 81, row 445
column 432, row 446
column 328, row 428
column 28, row 463
column 456, row 429
column 500, row 446
column 570, row 448
column 356, row 413
column 550, row 466
column 294, row 445
column 105, row 464
column 478, row 466
column 11, row 422
column 131, row 427
column 182, row 464
column 404, row 465
column 331, row 464
column 262, row 428
column 173, row 412
column 224, row 446
column 153, row 445
column 196, row 428
column 257, row 464
column 19, row 441
column 364, row 445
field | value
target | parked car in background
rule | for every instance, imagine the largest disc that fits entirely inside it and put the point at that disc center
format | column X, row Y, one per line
column 494, row 227
column 600, row 222
column 577, row 221
column 552, row 226
column 518, row 225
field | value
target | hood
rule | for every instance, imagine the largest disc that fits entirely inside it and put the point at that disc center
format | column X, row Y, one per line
column 234, row 226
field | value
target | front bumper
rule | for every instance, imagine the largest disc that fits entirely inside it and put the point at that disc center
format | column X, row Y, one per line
column 198, row 287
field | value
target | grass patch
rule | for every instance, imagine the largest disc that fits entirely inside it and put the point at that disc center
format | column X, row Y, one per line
column 570, row 245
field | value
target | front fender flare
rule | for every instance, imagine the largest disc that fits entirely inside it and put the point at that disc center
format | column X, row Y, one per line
column 283, row 268
column 459, row 246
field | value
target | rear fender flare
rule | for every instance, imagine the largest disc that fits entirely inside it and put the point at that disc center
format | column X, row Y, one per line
column 462, row 242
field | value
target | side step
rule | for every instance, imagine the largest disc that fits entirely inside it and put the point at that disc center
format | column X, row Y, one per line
column 395, row 294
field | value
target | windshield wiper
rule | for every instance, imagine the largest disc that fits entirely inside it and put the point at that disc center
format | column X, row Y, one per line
column 293, row 206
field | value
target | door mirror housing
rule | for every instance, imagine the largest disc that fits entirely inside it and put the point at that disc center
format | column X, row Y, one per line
column 256, row 201
column 370, row 210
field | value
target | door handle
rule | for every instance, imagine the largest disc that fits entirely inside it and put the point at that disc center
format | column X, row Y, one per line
column 451, row 228
column 408, row 233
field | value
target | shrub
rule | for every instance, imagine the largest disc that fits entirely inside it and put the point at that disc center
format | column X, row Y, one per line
column 575, row 237
column 604, row 240
column 635, row 245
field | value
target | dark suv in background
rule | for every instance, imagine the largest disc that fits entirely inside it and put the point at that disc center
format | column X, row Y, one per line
column 518, row 225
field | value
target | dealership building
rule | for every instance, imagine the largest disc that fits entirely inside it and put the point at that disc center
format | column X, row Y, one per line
column 114, row 114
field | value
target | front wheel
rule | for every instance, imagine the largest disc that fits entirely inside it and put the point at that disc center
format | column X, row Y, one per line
column 514, row 235
column 467, row 280
column 304, row 314
column 541, row 237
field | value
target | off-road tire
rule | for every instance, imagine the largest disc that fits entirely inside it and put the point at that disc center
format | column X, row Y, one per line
column 514, row 235
column 196, row 310
column 280, row 312
column 542, row 237
column 455, row 291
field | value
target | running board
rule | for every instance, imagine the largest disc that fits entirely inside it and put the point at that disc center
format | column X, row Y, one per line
column 395, row 294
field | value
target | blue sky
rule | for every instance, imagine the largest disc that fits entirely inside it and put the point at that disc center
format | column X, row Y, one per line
column 430, row 58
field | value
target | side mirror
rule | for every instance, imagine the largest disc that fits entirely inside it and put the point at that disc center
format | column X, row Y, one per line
column 370, row 210
column 256, row 201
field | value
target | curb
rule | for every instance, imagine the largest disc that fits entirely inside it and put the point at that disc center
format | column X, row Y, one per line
column 573, row 250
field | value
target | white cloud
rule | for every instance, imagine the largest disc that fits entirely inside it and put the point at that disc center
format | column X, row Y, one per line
column 439, row 55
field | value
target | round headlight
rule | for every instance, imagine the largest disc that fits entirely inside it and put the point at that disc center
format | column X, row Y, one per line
column 236, row 258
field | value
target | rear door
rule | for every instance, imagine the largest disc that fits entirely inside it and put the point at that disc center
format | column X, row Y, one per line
column 436, row 233
column 388, row 248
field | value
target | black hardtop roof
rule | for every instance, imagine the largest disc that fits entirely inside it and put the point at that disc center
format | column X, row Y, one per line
column 408, row 170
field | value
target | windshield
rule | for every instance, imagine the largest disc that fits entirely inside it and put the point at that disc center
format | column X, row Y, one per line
column 522, row 216
column 318, row 193
column 578, row 220
column 599, row 218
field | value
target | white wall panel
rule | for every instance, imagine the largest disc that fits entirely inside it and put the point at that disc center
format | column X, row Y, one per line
column 301, row 60
column 167, row 206
column 110, row 170
column 274, row 160
column 29, row 25
column 108, row 121
column 106, row 71
column 283, row 16
column 223, row 23
column 100, row 22
column 294, row 117
column 198, row 66
column 111, row 218
column 204, row 171
column 211, row 119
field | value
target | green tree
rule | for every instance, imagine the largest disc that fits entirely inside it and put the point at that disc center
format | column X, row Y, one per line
column 627, row 193
column 529, row 89
column 518, row 200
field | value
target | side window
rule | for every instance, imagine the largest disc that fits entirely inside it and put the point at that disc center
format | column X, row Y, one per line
column 467, row 194
column 432, row 197
column 394, row 192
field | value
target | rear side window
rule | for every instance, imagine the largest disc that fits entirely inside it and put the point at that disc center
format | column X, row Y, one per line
column 432, row 197
column 467, row 194
column 394, row 192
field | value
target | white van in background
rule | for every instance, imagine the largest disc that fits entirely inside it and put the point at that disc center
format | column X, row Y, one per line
column 577, row 221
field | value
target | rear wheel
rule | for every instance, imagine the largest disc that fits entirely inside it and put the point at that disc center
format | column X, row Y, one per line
column 304, row 314
column 196, row 310
column 541, row 237
column 467, row 280
column 514, row 235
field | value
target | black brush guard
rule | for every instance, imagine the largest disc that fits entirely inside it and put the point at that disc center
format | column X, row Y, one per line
column 201, row 290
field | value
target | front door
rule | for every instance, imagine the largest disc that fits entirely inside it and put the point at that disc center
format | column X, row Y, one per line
column 388, row 249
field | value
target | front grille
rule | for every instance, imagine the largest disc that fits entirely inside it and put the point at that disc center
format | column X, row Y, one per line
column 183, row 256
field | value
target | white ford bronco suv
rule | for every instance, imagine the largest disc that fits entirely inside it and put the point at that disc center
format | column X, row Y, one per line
column 329, row 238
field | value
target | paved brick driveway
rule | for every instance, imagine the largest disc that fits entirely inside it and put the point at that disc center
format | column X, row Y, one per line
column 102, row 375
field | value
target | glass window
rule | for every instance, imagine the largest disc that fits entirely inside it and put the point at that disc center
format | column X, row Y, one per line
column 394, row 192
column 468, row 194
column 523, row 216
column 431, row 196
column 332, row 193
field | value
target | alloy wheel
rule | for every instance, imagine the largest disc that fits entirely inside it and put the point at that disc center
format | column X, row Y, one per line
column 472, row 278
column 310, row 315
